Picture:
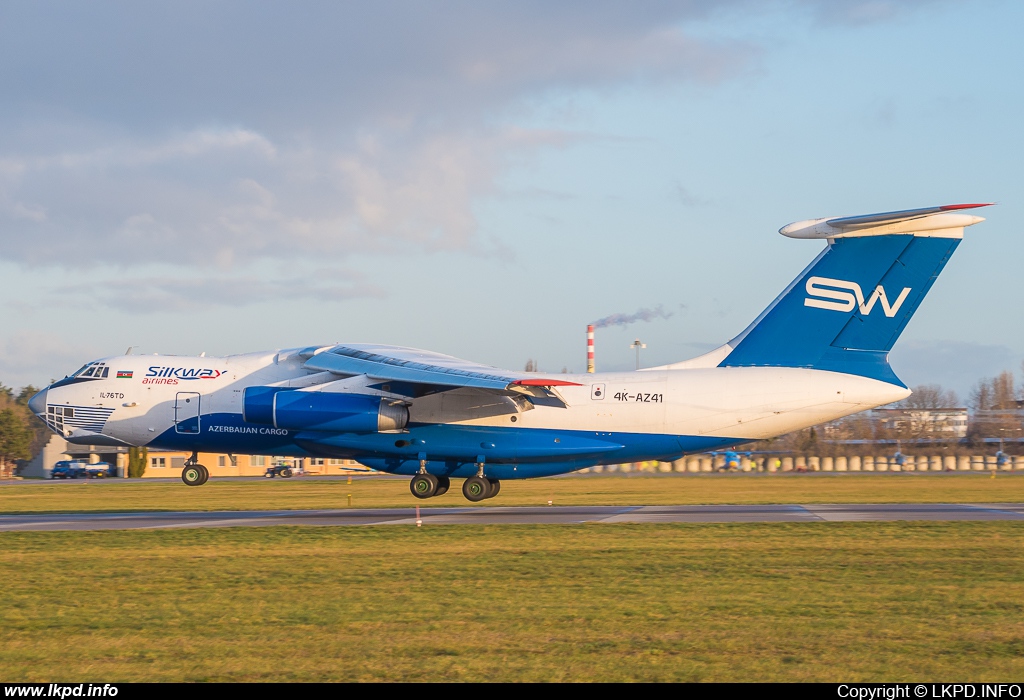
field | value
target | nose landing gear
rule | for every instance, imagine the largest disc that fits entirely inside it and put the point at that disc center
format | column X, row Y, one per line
column 194, row 474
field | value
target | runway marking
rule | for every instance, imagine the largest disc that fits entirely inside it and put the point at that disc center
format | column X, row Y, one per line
column 1016, row 509
column 909, row 511
column 206, row 523
column 32, row 525
column 714, row 514
column 491, row 515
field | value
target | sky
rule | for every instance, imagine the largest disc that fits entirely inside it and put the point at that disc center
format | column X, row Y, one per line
column 484, row 179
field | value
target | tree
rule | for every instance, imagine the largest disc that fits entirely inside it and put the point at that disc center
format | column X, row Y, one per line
column 531, row 366
column 981, row 396
column 808, row 442
column 995, row 394
column 994, row 402
column 930, row 396
column 41, row 434
column 26, row 393
column 138, row 459
column 15, row 439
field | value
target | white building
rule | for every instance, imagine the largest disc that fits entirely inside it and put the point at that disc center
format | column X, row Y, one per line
column 938, row 422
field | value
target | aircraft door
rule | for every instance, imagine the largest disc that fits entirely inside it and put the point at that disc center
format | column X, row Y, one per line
column 186, row 412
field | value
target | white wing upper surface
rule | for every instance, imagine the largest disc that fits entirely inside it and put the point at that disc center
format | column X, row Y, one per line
column 414, row 372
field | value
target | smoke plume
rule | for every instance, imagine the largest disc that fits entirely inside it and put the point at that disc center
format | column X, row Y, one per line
column 626, row 319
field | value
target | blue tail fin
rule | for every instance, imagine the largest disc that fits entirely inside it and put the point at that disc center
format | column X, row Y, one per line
column 846, row 310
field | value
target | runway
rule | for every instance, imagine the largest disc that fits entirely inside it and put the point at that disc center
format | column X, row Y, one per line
column 493, row 515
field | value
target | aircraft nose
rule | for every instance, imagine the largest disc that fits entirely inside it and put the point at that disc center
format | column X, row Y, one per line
column 37, row 404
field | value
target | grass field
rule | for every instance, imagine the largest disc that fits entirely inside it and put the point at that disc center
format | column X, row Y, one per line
column 227, row 494
column 788, row 602
column 794, row 601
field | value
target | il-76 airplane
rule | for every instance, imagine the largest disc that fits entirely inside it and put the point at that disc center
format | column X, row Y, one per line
column 817, row 353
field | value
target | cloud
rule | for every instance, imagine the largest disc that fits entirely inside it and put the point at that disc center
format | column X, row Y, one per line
column 237, row 133
column 688, row 198
column 144, row 295
column 217, row 134
column 862, row 12
column 36, row 357
column 128, row 155
column 157, row 202
column 330, row 64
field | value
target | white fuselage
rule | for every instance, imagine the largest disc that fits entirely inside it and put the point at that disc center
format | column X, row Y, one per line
column 744, row 403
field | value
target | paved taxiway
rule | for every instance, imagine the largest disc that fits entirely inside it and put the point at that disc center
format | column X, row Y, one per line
column 519, row 515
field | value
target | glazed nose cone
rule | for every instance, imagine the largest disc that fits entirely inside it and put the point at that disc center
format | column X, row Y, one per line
column 37, row 404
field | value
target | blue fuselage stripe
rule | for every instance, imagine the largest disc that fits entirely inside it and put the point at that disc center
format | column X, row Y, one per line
column 510, row 453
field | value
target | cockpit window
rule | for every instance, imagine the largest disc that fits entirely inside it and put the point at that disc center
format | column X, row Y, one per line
column 93, row 370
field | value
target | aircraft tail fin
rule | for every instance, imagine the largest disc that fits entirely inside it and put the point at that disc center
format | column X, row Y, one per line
column 845, row 311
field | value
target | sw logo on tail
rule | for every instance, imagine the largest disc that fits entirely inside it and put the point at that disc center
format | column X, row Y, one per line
column 845, row 301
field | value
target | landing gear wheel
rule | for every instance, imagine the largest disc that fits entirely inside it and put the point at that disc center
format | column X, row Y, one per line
column 194, row 475
column 476, row 489
column 423, row 485
column 495, row 487
column 443, row 484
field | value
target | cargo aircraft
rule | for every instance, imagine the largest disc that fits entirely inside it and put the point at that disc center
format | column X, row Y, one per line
column 817, row 353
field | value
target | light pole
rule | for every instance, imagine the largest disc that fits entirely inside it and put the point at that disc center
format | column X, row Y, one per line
column 637, row 345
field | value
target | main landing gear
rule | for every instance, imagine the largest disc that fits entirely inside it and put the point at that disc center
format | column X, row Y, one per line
column 425, row 485
column 478, row 488
column 475, row 488
column 428, row 485
column 194, row 473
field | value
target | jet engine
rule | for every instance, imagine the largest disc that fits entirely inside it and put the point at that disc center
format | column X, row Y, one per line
column 288, row 408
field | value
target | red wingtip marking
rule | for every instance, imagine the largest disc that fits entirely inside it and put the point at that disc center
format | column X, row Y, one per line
column 951, row 207
column 545, row 382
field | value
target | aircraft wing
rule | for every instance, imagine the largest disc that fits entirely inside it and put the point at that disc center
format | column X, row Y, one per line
column 418, row 372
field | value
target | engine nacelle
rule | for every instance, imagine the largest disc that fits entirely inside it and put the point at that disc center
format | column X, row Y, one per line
column 288, row 408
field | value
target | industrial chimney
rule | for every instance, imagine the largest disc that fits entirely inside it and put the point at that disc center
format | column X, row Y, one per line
column 590, row 348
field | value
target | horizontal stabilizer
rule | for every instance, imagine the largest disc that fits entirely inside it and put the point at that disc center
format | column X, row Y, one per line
column 854, row 222
column 941, row 221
